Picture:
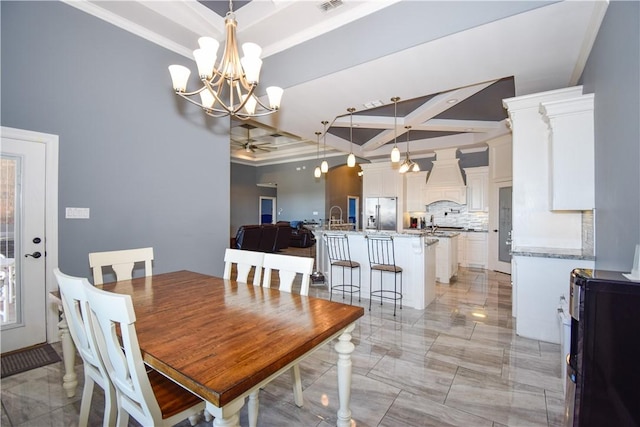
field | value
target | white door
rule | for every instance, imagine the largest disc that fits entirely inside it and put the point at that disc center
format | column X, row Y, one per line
column 23, row 244
column 500, row 227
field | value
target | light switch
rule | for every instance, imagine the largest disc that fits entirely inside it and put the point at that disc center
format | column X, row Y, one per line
column 77, row 213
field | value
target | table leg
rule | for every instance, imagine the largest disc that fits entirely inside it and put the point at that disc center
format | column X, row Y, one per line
column 69, row 380
column 344, row 347
column 228, row 416
column 253, row 407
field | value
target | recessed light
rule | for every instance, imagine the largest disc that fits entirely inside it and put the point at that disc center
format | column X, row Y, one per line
column 452, row 101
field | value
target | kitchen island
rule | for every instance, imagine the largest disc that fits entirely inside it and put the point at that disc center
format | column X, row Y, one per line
column 415, row 253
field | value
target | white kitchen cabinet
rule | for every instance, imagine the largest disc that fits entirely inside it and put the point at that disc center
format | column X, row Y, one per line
column 477, row 189
column 415, row 185
column 446, row 258
column 472, row 249
column 381, row 180
column 571, row 148
column 500, row 159
column 540, row 282
column 476, row 250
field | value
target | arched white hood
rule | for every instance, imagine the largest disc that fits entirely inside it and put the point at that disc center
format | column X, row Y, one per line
column 445, row 180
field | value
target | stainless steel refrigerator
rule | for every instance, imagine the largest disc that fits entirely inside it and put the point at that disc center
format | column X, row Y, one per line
column 380, row 213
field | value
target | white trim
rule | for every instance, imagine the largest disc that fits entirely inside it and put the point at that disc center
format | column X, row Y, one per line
column 51, row 216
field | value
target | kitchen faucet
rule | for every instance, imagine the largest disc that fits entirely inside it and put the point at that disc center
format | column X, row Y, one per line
column 433, row 226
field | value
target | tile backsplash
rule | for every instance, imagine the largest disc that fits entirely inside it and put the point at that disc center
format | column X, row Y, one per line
column 451, row 214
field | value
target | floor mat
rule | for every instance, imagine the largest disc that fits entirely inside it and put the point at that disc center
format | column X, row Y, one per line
column 27, row 359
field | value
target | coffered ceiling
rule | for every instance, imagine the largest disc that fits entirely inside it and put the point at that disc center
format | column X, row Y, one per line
column 450, row 62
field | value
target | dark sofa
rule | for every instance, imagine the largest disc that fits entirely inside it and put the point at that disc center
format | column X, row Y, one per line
column 301, row 236
column 263, row 238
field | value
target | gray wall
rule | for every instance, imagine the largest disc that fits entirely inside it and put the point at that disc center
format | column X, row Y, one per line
column 152, row 170
column 299, row 192
column 612, row 73
column 245, row 196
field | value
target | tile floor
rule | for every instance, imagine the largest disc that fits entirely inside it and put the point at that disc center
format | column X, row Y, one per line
column 457, row 363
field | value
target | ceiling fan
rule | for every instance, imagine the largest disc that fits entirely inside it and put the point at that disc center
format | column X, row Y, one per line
column 249, row 145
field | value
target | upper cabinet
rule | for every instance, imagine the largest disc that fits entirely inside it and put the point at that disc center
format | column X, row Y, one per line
column 477, row 189
column 381, row 180
column 571, row 152
column 500, row 159
column 415, row 185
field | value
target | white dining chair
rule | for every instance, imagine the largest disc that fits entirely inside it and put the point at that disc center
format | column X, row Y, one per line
column 244, row 261
column 149, row 397
column 288, row 268
column 121, row 262
column 76, row 312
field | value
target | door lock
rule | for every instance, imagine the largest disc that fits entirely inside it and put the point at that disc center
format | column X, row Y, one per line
column 34, row 255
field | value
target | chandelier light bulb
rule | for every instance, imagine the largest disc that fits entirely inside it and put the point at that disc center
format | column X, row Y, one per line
column 317, row 172
column 404, row 167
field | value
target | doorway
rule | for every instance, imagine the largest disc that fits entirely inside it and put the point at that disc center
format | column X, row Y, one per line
column 353, row 211
column 29, row 181
column 500, row 227
column 267, row 210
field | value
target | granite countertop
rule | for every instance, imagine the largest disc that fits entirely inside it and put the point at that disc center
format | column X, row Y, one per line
column 428, row 241
column 456, row 229
column 560, row 253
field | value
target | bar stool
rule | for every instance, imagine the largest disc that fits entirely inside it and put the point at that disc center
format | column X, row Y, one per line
column 340, row 256
column 382, row 258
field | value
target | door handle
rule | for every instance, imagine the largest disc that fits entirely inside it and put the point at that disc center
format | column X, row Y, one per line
column 35, row 255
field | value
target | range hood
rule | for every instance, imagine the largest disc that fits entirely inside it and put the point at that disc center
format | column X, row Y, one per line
column 445, row 180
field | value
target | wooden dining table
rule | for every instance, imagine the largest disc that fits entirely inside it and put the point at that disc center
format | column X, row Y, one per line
column 224, row 340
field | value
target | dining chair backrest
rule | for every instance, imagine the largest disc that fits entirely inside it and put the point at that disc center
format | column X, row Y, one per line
column 122, row 263
column 288, row 267
column 244, row 261
column 121, row 354
column 76, row 312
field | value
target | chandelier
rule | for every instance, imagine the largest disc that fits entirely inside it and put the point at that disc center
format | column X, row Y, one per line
column 408, row 164
column 229, row 89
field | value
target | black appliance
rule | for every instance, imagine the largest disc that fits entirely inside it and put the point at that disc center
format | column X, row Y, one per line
column 603, row 372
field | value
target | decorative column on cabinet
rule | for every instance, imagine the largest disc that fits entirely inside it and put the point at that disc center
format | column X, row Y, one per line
column 571, row 152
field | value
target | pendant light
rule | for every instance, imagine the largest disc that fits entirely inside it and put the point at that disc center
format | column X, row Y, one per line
column 351, row 159
column 408, row 164
column 317, row 173
column 395, row 153
column 324, row 166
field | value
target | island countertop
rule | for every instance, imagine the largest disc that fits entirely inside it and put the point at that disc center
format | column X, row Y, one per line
column 414, row 253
